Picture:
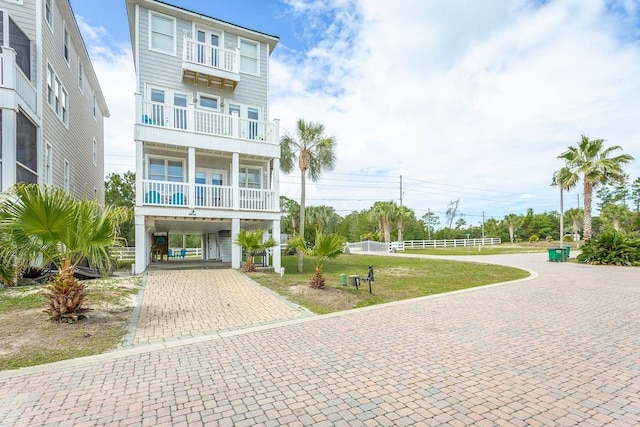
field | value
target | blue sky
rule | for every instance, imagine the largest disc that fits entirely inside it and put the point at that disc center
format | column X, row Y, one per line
column 468, row 100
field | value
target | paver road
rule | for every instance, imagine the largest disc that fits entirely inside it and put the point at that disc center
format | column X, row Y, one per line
column 561, row 349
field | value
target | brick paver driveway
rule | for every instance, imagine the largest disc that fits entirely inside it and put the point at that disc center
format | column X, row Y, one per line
column 561, row 349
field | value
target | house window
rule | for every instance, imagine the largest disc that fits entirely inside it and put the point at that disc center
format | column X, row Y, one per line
column 94, row 106
column 250, row 177
column 48, row 164
column 26, row 150
column 67, row 175
column 162, row 37
column 57, row 96
column 80, row 77
column 166, row 169
column 66, row 44
column 208, row 102
column 249, row 56
column 95, row 152
column 48, row 13
column 22, row 45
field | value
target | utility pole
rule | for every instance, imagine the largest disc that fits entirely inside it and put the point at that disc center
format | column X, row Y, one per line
column 483, row 227
column 400, row 190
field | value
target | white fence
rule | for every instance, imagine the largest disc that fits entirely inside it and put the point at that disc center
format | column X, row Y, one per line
column 370, row 246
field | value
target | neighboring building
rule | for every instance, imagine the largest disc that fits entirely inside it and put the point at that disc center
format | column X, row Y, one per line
column 52, row 109
column 207, row 158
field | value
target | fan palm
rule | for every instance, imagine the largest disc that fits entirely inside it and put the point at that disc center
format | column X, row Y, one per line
column 47, row 224
column 251, row 242
column 595, row 164
column 314, row 153
column 326, row 246
column 385, row 213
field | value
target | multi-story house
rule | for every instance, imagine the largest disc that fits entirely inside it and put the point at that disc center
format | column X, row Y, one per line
column 52, row 109
column 207, row 156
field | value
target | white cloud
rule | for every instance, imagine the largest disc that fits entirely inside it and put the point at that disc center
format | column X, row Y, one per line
column 475, row 98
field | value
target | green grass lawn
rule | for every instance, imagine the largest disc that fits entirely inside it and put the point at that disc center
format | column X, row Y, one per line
column 395, row 279
column 483, row 250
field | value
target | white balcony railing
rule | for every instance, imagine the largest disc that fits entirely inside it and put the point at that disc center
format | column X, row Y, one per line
column 198, row 121
column 213, row 57
column 165, row 193
column 12, row 77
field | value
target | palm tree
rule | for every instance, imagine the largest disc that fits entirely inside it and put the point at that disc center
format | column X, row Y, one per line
column 590, row 161
column 512, row 221
column 251, row 242
column 385, row 213
column 314, row 153
column 403, row 213
column 575, row 216
column 326, row 246
column 616, row 214
column 48, row 224
column 324, row 217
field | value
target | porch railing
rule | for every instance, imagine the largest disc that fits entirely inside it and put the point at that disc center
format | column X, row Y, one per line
column 211, row 56
column 11, row 76
column 165, row 193
column 198, row 121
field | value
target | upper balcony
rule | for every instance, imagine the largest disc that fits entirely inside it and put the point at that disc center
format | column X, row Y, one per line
column 212, row 65
column 12, row 77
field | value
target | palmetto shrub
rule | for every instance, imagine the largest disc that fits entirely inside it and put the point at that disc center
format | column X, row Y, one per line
column 611, row 248
column 65, row 296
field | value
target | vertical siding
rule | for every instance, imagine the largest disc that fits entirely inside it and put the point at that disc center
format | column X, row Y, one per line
column 75, row 143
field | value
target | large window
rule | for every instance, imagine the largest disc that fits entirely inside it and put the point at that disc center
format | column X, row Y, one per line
column 66, row 42
column 249, row 56
column 48, row 12
column 250, row 177
column 26, row 150
column 57, row 96
column 19, row 41
column 163, row 33
column 166, row 169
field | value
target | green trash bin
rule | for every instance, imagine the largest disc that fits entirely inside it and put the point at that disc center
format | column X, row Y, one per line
column 556, row 254
column 343, row 279
column 567, row 249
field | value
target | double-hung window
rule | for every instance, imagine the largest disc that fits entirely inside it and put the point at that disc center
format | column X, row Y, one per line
column 162, row 35
column 66, row 41
column 48, row 12
column 67, row 175
column 95, row 152
column 249, row 54
column 80, row 77
column 57, row 96
column 48, row 163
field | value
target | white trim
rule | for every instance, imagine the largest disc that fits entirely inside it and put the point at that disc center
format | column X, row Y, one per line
column 257, row 44
column 175, row 28
column 201, row 95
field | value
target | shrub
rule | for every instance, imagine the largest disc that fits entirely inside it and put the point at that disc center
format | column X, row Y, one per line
column 549, row 239
column 534, row 238
column 568, row 238
column 611, row 248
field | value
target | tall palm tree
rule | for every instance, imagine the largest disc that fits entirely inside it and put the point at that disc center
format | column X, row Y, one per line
column 314, row 153
column 595, row 164
column 385, row 213
column 616, row 214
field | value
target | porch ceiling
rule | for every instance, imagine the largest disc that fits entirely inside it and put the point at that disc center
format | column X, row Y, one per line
column 198, row 225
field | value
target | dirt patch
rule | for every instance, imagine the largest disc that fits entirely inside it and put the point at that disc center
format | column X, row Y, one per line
column 331, row 298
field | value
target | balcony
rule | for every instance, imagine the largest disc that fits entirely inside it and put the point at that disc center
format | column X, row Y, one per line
column 194, row 120
column 211, row 65
column 12, row 77
column 178, row 194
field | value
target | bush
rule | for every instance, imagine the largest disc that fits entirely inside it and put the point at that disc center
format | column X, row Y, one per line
column 534, row 238
column 568, row 238
column 549, row 239
column 611, row 248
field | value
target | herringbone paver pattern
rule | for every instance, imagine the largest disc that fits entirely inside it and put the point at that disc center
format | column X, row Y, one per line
column 559, row 350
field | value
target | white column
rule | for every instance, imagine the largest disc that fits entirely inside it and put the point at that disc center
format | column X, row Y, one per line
column 139, row 173
column 277, row 252
column 191, row 177
column 235, row 180
column 8, row 148
column 142, row 245
column 236, row 251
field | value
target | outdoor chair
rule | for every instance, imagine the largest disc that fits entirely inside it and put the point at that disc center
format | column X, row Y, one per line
column 183, row 253
column 170, row 253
